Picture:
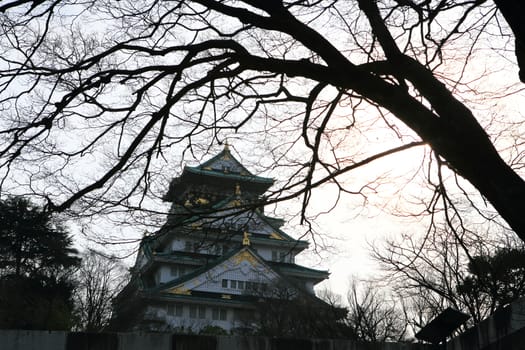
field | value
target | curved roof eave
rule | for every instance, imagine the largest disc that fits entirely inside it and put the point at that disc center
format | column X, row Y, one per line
column 234, row 176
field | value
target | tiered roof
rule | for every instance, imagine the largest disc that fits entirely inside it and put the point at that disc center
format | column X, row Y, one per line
column 188, row 285
column 218, row 203
column 223, row 167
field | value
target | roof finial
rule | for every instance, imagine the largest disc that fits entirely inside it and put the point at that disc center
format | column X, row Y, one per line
column 237, row 189
column 226, row 152
column 246, row 240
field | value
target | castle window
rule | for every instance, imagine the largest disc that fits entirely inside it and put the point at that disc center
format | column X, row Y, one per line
column 177, row 271
column 233, row 284
column 222, row 314
column 240, row 284
column 218, row 313
column 202, row 312
column 171, row 310
column 193, row 311
column 282, row 255
column 224, row 283
column 174, row 271
column 175, row 310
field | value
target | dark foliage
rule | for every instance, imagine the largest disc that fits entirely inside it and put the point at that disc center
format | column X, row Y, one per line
column 32, row 303
column 36, row 266
column 499, row 277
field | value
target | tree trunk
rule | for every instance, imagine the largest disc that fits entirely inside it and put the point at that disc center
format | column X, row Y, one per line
column 514, row 13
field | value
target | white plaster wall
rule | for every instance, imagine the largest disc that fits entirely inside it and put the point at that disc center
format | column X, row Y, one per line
column 245, row 221
column 164, row 274
column 264, row 252
column 177, row 244
column 196, row 324
column 212, row 281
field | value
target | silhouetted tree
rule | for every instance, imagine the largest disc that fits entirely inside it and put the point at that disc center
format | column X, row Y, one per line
column 36, row 267
column 373, row 315
column 472, row 273
column 427, row 271
column 99, row 279
column 283, row 310
column 317, row 74
column 498, row 277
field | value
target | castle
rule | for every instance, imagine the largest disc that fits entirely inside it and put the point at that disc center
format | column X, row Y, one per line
column 217, row 255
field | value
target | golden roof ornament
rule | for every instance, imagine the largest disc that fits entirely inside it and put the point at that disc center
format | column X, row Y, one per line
column 202, row 201
column 237, row 190
column 246, row 240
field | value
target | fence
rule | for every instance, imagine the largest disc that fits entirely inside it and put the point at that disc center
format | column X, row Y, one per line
column 44, row 340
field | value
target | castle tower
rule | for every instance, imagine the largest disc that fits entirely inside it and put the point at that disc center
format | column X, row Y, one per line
column 215, row 257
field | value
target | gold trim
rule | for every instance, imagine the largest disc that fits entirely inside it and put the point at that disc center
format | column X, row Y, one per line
column 276, row 236
column 202, row 201
column 179, row 290
column 246, row 239
column 245, row 256
column 235, row 203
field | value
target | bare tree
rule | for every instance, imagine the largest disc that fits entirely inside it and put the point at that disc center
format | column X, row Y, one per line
column 373, row 315
column 432, row 267
column 99, row 280
column 473, row 274
column 284, row 310
column 159, row 75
